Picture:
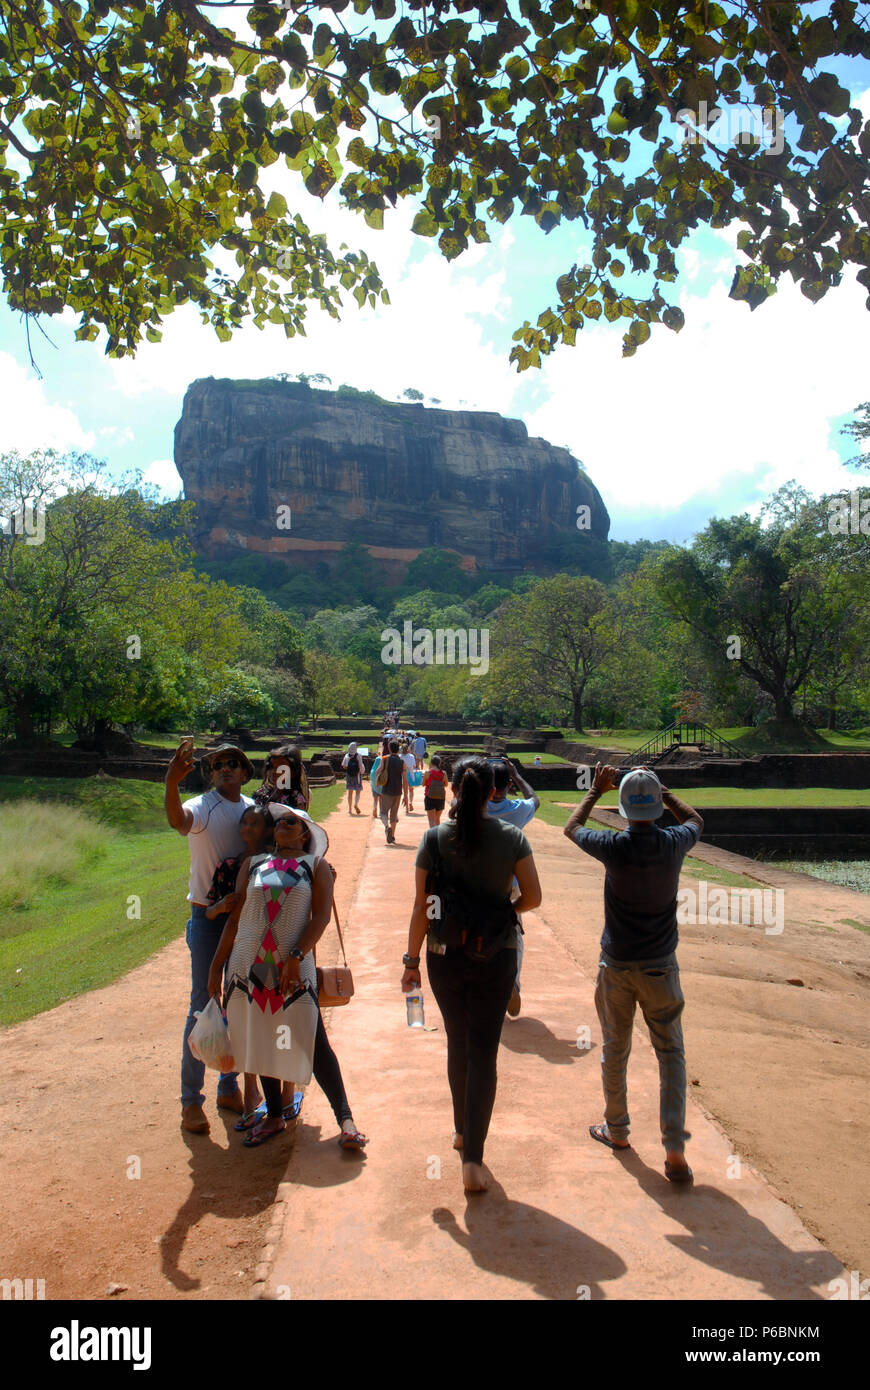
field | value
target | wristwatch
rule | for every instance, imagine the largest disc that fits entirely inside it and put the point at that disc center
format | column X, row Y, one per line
column 296, row 953
column 411, row 962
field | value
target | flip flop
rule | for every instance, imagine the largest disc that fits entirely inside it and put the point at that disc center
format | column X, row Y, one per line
column 351, row 1141
column 253, row 1116
column 254, row 1140
column 597, row 1132
column 678, row 1174
column 291, row 1111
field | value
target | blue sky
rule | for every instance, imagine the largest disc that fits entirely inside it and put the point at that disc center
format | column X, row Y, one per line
column 706, row 422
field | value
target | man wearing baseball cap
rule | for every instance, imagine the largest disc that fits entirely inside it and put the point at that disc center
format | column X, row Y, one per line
column 638, row 962
column 211, row 824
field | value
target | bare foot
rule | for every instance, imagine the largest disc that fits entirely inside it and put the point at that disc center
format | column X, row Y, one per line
column 457, row 1139
column 474, row 1177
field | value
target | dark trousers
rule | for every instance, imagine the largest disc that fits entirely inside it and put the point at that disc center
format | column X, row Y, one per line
column 472, row 999
column 327, row 1074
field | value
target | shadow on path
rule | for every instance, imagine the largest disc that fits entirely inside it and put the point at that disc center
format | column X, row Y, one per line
column 232, row 1183
column 517, row 1241
column 526, row 1034
column 724, row 1235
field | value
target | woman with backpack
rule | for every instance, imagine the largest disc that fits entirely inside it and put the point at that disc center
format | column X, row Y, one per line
column 434, row 791
column 353, row 770
column 469, row 864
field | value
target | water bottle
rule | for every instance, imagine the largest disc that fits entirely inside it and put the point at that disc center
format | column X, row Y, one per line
column 414, row 1004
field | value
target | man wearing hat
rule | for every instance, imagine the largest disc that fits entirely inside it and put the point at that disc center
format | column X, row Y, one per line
column 638, row 962
column 211, row 823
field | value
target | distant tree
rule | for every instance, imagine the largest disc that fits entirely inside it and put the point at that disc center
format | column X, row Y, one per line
column 272, row 636
column 412, row 395
column 440, row 570
column 774, row 588
column 859, row 429
column 549, row 642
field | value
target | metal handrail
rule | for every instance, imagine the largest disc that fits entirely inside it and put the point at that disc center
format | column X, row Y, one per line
column 676, row 735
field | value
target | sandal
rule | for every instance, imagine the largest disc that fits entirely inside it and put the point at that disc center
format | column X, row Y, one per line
column 291, row 1111
column 678, row 1174
column 252, row 1118
column 254, row 1140
column 599, row 1132
column 347, row 1140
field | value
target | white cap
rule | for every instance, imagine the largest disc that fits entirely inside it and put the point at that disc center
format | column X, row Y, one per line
column 640, row 796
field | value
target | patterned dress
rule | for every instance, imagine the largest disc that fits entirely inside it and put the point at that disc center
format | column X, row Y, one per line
column 271, row 1034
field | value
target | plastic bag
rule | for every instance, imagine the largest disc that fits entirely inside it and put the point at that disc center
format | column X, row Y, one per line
column 209, row 1040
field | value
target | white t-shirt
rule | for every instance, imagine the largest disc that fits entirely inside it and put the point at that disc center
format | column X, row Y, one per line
column 214, row 836
column 410, row 761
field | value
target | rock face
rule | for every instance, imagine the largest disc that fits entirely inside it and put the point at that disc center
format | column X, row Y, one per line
column 396, row 478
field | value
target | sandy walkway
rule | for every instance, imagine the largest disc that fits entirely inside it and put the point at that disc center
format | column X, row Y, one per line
column 566, row 1218
column 92, row 1087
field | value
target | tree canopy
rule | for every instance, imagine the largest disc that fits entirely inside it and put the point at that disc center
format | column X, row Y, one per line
column 133, row 141
column 775, row 599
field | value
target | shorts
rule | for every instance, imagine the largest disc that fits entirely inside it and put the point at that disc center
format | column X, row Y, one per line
column 434, row 803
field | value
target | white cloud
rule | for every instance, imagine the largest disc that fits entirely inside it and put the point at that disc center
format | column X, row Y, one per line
column 431, row 336
column 28, row 421
column 717, row 417
column 163, row 474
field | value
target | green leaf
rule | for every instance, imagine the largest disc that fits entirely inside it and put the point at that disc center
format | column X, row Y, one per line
column 276, row 206
column 424, row 224
column 247, row 175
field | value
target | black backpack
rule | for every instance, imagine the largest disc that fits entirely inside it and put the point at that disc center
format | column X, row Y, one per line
column 352, row 765
column 481, row 926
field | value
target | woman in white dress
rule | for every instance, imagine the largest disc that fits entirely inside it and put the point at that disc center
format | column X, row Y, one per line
column 285, row 904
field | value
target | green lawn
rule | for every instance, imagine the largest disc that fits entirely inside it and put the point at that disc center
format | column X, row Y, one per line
column 720, row 796
column 627, row 740
column 78, row 937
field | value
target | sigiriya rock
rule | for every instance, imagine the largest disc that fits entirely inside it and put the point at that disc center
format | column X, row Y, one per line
column 283, row 469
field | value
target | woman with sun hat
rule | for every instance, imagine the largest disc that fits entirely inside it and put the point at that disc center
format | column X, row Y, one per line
column 285, row 904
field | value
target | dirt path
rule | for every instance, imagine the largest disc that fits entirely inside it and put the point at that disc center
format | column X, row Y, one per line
column 93, row 1085
column 565, row 1218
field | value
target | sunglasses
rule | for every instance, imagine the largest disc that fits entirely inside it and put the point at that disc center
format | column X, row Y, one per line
column 225, row 762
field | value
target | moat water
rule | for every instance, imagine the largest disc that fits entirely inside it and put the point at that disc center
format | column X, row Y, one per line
column 846, row 873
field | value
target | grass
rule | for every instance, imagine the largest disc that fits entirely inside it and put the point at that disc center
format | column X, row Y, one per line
column 745, row 736
column 76, row 842
column 720, row 796
column 107, row 843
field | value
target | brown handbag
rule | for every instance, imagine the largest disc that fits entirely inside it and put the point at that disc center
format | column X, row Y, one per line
column 334, row 982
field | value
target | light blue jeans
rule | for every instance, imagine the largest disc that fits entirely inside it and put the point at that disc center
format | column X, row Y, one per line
column 655, row 986
column 202, row 937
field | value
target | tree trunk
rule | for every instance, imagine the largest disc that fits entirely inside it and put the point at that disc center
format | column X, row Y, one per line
column 782, row 706
column 24, row 721
column 577, row 701
column 832, row 709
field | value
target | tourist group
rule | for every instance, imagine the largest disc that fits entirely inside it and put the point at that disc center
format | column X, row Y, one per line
column 261, row 895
